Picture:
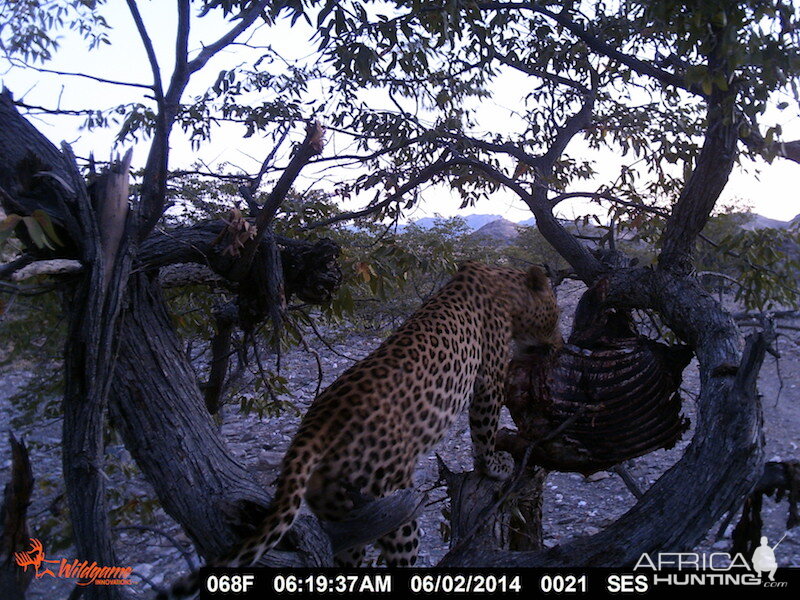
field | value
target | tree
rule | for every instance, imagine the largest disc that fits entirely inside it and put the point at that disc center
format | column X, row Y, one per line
column 679, row 89
column 119, row 330
column 683, row 83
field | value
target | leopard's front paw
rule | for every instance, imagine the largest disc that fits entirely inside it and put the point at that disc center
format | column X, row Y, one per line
column 496, row 465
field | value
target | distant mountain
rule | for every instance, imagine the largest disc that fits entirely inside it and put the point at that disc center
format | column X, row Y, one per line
column 501, row 230
column 474, row 222
column 756, row 222
column 497, row 227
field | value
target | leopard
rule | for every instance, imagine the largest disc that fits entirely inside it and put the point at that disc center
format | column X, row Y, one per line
column 366, row 431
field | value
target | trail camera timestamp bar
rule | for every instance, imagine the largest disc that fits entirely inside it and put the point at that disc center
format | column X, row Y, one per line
column 230, row 584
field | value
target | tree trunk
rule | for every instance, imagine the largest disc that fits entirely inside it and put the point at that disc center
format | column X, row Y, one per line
column 157, row 406
column 121, row 346
column 34, row 175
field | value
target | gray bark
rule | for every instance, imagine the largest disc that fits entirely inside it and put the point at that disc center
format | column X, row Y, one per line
column 157, row 406
column 33, row 174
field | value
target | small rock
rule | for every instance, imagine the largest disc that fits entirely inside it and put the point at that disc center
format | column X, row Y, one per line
column 599, row 476
column 271, row 458
column 145, row 569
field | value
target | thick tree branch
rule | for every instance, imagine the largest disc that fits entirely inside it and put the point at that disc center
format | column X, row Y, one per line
column 250, row 190
column 311, row 146
column 182, row 42
column 572, row 127
column 700, row 194
column 587, row 266
column 756, row 142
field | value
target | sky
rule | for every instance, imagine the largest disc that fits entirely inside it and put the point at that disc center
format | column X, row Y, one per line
column 769, row 189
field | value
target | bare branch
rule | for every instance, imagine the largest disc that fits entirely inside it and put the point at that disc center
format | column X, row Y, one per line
column 56, row 266
column 506, row 148
column 612, row 198
column 22, row 64
column 249, row 191
column 149, row 49
column 111, row 195
column 247, row 18
column 522, row 67
column 439, row 166
column 7, row 270
column 54, row 111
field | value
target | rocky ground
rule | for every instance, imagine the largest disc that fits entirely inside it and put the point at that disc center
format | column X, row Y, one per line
column 573, row 505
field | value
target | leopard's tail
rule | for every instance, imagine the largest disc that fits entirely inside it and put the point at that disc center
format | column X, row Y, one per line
column 298, row 464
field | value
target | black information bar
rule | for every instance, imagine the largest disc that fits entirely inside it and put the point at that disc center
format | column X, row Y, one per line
column 230, row 584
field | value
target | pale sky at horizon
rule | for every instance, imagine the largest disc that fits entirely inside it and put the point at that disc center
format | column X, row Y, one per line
column 771, row 195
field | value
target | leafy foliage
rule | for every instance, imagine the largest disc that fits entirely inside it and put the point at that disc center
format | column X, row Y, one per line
column 765, row 263
column 29, row 28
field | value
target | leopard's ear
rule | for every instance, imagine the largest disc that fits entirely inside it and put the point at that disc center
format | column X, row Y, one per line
column 536, row 279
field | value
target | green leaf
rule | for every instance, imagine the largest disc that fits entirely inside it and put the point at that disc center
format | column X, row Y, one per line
column 44, row 220
column 37, row 233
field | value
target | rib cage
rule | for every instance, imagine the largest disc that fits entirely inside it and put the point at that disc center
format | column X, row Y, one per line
column 619, row 395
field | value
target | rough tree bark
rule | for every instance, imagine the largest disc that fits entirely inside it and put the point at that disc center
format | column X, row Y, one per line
column 33, row 174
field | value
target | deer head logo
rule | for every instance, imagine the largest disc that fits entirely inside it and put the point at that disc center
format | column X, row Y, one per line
column 34, row 558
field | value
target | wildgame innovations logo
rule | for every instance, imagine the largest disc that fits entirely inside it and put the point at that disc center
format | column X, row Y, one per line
column 714, row 569
column 87, row 573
